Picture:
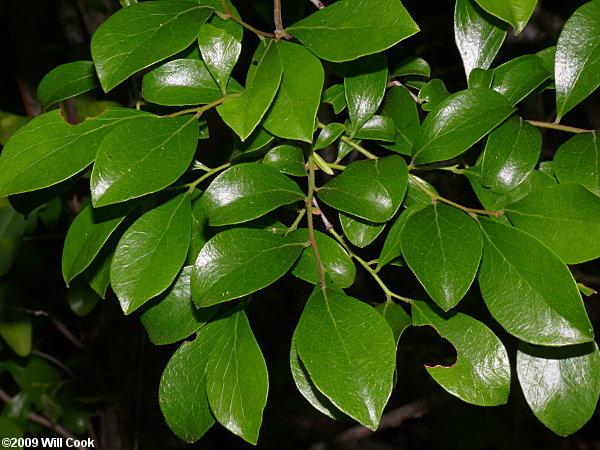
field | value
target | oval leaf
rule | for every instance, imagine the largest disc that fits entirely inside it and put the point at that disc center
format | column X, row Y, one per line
column 565, row 217
column 577, row 63
column 15, row 323
column 481, row 374
column 142, row 157
column 287, row 158
column 400, row 106
column 528, row 290
column 13, row 226
column 355, row 369
column 519, row 77
column 151, row 253
column 515, row 12
column 66, row 81
column 395, row 316
column 360, row 232
column 220, row 51
column 442, row 246
column 561, row 385
column 578, row 161
column 369, row 189
column 144, row 33
column 247, row 191
column 240, row 261
column 392, row 245
column 458, row 122
column 347, row 30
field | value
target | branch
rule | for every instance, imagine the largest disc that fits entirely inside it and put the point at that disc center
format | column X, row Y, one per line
column 318, row 4
column 277, row 17
column 309, row 217
column 556, row 126
column 244, row 24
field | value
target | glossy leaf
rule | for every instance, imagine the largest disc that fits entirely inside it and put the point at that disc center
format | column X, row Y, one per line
column 415, row 195
column 142, row 157
column 336, row 262
column 480, row 78
column 308, row 389
column 355, row 369
column 336, row 96
column 242, row 114
column 578, row 161
column 10, row 123
column 81, row 298
column 511, row 153
column 442, row 246
column 392, row 246
column 237, row 380
column 87, row 235
column 369, row 189
column 528, row 290
column 432, row 93
column 173, row 316
column 294, row 110
column 565, row 217
column 347, row 30
column 364, row 86
column 183, row 82
column 286, row 158
column 240, row 261
column 478, row 35
column 395, row 316
column 329, row 135
column 15, row 323
column 458, row 122
column 247, row 191
column 98, row 272
column 360, row 232
column 515, row 12
column 519, row 77
column 138, row 36
column 220, row 51
column 49, row 150
column 151, row 252
column 481, row 374
column 561, row 385
column 66, row 81
column 401, row 108
column 577, row 64
column 12, row 228
column 381, row 128
column 255, row 145
column 411, row 65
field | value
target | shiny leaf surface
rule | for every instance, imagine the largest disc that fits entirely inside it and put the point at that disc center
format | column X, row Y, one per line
column 401, row 108
column 578, row 161
column 287, row 158
column 392, row 246
column 519, row 77
column 396, row 317
column 360, row 232
column 220, row 51
column 515, row 12
column 66, row 81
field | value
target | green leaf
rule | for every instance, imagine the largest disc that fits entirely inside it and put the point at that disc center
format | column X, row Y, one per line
column 355, row 368
column 578, row 161
column 528, row 290
column 432, row 93
column 360, row 232
column 183, row 82
column 237, row 380
column 15, row 323
column 347, row 30
column 82, row 299
column 336, row 262
column 364, row 86
column 415, row 195
column 442, row 246
column 480, row 78
column 151, row 253
column 336, row 97
column 10, row 429
column 458, row 122
column 10, row 123
column 286, row 158
column 402, row 109
column 247, row 191
column 12, row 228
column 511, row 153
column 254, row 146
column 481, row 374
column 220, row 51
column 141, row 157
column 565, row 217
column 411, row 65
column 242, row 114
column 369, row 189
column 392, row 245
column 240, row 261
column 182, row 394
column 98, row 273
column 173, row 316
column 140, row 35
column 396, row 317
column 308, row 389
column 49, row 150
column 201, row 232
column 478, row 35
column 294, row 110
column 577, row 64
column 66, row 81
column 380, row 128
column 515, row 12
column 329, row 135
column 87, row 235
column 561, row 385
column 220, row 20
column 519, row 77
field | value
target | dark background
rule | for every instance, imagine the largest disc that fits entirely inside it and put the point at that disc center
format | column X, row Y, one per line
column 116, row 376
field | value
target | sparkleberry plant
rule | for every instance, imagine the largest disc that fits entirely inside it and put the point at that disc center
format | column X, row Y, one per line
column 191, row 243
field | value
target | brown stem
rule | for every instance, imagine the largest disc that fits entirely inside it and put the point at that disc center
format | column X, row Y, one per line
column 318, row 4
column 244, row 24
column 309, row 218
column 556, row 126
column 277, row 17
